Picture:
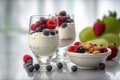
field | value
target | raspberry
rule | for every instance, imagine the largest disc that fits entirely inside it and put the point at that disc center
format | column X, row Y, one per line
column 51, row 24
column 72, row 49
column 105, row 50
column 34, row 26
column 26, row 58
column 77, row 43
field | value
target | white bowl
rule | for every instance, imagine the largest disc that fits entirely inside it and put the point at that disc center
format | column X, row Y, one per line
column 88, row 61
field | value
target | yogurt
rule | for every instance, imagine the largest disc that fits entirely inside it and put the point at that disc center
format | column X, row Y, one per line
column 42, row 45
column 67, row 35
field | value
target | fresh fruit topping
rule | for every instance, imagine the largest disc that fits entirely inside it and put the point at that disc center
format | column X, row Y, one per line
column 62, row 13
column 34, row 26
column 52, row 32
column 43, row 20
column 38, row 29
column 77, row 43
column 43, row 26
column 101, row 66
column 114, row 52
column 64, row 25
column 59, row 21
column 51, row 24
column 60, row 65
column 98, row 28
column 26, row 58
column 101, row 49
column 72, row 48
column 46, row 32
column 36, row 66
column 80, row 49
column 74, row 68
column 48, row 67
column 105, row 50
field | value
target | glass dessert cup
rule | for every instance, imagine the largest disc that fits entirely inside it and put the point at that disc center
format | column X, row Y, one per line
column 67, row 35
column 43, row 38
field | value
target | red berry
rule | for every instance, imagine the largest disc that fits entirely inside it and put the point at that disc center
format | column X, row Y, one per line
column 51, row 24
column 77, row 43
column 98, row 28
column 59, row 21
column 114, row 52
column 105, row 49
column 27, row 57
column 34, row 26
column 72, row 49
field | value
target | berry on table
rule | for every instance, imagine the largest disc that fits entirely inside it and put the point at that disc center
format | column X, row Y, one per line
column 48, row 67
column 60, row 65
column 36, row 66
column 30, row 68
column 26, row 58
column 101, row 66
column 29, row 62
column 62, row 13
column 74, row 68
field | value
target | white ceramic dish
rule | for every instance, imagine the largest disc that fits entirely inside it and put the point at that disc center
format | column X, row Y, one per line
column 88, row 61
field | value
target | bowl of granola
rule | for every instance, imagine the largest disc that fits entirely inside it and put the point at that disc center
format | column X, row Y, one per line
column 87, row 55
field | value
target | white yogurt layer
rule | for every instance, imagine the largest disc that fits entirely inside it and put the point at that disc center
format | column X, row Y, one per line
column 42, row 45
column 67, row 35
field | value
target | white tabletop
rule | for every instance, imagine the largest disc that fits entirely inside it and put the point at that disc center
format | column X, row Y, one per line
column 13, row 48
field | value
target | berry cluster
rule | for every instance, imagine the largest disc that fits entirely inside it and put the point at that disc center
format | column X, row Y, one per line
column 28, row 60
column 43, row 23
column 63, row 19
column 89, row 48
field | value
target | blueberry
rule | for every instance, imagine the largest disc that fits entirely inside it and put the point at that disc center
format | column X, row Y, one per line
column 101, row 66
column 29, row 63
column 30, row 68
column 48, row 67
column 52, row 32
column 60, row 65
column 36, row 66
column 74, row 68
column 64, row 25
column 80, row 49
column 63, row 13
column 101, row 50
column 38, row 29
column 56, row 31
column 46, row 32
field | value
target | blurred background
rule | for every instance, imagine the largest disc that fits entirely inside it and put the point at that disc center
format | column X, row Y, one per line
column 15, row 15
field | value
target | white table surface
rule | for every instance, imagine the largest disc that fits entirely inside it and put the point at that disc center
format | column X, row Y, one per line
column 13, row 48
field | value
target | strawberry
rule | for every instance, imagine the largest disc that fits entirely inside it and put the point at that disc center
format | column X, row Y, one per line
column 34, row 26
column 98, row 28
column 26, row 58
column 77, row 43
column 72, row 49
column 51, row 24
column 114, row 52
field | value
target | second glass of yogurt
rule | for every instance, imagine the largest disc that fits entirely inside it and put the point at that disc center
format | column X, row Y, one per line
column 43, row 38
column 67, row 34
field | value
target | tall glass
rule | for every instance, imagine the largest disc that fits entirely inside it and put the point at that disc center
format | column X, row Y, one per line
column 43, row 38
column 67, row 34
